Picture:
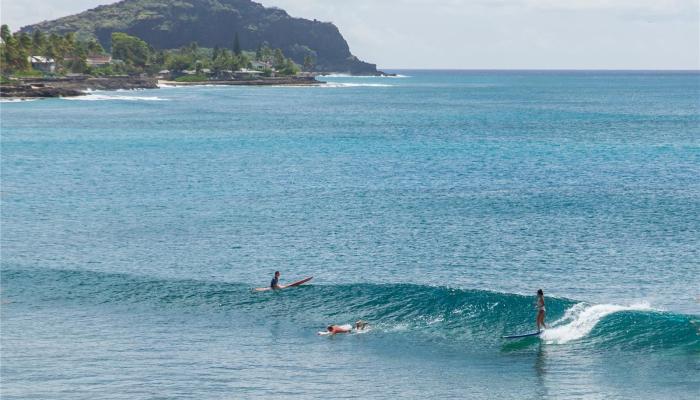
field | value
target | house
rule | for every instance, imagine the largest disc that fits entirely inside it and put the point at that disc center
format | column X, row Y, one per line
column 245, row 73
column 98, row 60
column 43, row 64
column 261, row 64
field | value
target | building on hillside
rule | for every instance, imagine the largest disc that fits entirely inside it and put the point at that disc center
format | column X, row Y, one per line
column 43, row 64
column 261, row 64
column 245, row 73
column 98, row 60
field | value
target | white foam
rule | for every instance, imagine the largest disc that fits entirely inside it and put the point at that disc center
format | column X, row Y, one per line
column 346, row 85
column 16, row 100
column 363, row 76
column 91, row 96
column 579, row 321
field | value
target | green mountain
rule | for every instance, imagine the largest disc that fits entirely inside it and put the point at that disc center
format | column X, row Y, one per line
column 167, row 24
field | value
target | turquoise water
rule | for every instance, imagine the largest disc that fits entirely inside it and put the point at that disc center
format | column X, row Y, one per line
column 432, row 205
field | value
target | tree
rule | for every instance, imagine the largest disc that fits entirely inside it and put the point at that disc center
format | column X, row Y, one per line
column 130, row 49
column 236, row 45
column 53, row 48
column 94, row 47
column 25, row 41
column 70, row 52
column 178, row 62
column 5, row 33
column 288, row 68
column 38, row 42
column 309, row 63
column 192, row 48
column 258, row 53
column 13, row 57
column 278, row 59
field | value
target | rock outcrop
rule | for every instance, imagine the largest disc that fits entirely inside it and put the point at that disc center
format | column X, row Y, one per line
column 72, row 86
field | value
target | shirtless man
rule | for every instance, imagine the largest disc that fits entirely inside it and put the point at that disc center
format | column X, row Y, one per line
column 359, row 325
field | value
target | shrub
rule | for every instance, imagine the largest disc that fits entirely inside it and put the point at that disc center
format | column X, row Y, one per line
column 192, row 78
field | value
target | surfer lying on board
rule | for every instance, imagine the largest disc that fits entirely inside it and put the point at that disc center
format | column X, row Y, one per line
column 540, row 310
column 275, row 282
column 359, row 326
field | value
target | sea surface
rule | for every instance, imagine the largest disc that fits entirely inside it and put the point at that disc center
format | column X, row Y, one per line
column 432, row 204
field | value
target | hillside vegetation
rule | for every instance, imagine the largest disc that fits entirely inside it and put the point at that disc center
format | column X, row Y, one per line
column 169, row 24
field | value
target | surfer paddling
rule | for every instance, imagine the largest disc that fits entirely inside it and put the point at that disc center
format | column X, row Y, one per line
column 540, row 310
column 335, row 329
column 360, row 325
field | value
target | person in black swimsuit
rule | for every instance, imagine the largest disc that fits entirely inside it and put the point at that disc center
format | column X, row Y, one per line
column 540, row 310
column 275, row 282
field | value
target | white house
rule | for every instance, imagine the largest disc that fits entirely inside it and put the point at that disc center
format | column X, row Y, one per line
column 43, row 64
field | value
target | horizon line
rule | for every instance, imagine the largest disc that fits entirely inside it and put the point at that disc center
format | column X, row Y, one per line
column 546, row 69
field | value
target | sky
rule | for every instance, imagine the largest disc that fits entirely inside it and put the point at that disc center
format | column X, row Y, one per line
column 481, row 34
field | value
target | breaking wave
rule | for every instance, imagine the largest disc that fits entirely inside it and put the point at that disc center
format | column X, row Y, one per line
column 92, row 96
column 456, row 316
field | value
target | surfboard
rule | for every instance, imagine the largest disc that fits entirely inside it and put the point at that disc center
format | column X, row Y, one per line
column 301, row 282
column 297, row 283
column 523, row 335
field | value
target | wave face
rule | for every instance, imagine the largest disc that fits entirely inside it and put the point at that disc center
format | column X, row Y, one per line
column 433, row 314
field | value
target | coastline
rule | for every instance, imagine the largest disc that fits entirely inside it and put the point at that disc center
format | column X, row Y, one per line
column 291, row 81
column 37, row 88
column 33, row 88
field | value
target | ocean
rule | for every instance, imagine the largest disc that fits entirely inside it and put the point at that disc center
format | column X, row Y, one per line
column 432, row 205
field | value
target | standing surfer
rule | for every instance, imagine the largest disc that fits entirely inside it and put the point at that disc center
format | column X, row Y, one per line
column 540, row 310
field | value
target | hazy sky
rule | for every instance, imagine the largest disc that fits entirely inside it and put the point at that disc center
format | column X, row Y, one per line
column 616, row 34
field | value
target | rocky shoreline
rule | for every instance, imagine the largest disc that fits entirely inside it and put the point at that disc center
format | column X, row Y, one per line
column 72, row 86
column 29, row 88
column 286, row 81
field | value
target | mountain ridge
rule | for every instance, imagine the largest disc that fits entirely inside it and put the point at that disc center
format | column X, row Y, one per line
column 167, row 24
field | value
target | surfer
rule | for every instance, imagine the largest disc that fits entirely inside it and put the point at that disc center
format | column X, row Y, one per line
column 540, row 310
column 275, row 282
column 333, row 329
column 360, row 325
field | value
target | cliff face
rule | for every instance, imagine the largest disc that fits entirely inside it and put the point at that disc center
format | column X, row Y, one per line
column 167, row 24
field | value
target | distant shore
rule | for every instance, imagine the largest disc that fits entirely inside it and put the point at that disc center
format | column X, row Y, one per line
column 287, row 81
column 32, row 88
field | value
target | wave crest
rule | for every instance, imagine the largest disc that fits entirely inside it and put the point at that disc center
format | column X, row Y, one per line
column 425, row 313
column 579, row 320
